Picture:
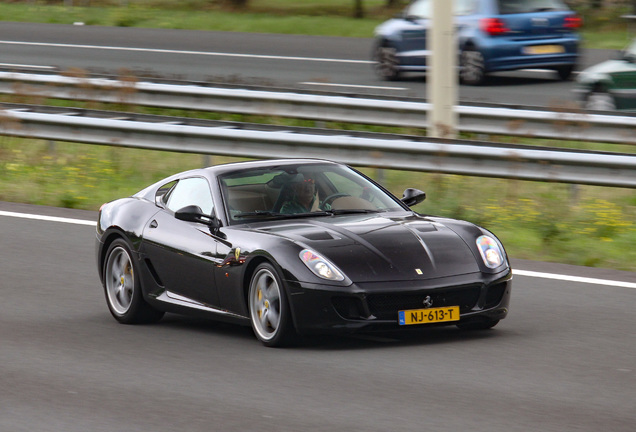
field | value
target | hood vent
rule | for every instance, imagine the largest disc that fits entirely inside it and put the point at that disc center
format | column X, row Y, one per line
column 425, row 228
column 321, row 235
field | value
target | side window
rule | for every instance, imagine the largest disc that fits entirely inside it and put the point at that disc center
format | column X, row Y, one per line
column 161, row 197
column 464, row 7
column 191, row 191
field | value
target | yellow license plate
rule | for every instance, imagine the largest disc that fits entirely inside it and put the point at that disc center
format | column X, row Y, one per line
column 544, row 49
column 426, row 316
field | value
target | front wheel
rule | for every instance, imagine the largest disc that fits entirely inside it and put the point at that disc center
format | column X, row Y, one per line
column 123, row 289
column 600, row 100
column 269, row 308
column 386, row 62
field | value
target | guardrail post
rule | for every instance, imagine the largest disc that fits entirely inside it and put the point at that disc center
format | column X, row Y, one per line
column 441, row 82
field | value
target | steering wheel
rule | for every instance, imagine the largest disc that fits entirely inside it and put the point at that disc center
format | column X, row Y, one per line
column 330, row 198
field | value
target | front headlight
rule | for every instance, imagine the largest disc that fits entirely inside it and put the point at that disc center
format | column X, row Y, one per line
column 590, row 78
column 320, row 266
column 490, row 251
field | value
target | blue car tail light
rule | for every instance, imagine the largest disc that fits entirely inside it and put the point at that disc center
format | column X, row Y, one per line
column 573, row 22
column 493, row 26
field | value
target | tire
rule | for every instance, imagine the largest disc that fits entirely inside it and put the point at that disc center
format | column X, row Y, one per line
column 478, row 325
column 269, row 309
column 386, row 62
column 600, row 100
column 122, row 288
column 472, row 67
column 565, row 72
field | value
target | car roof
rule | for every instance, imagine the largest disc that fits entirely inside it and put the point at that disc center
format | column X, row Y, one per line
column 235, row 166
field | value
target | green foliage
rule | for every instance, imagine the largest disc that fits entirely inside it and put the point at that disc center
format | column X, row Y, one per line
column 542, row 221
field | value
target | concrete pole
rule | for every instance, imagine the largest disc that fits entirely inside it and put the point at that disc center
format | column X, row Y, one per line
column 441, row 81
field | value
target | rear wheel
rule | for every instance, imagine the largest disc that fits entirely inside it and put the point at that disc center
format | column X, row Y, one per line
column 472, row 67
column 269, row 309
column 123, row 289
column 565, row 72
column 386, row 62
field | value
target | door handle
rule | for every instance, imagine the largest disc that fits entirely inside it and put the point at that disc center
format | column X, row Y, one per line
column 154, row 224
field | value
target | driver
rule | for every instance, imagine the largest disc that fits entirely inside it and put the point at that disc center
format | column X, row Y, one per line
column 303, row 198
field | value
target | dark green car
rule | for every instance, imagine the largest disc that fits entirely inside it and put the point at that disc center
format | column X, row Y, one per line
column 610, row 85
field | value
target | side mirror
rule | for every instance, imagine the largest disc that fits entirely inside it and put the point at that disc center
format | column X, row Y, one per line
column 193, row 213
column 411, row 197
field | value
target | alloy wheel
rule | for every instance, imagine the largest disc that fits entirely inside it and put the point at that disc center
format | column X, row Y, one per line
column 119, row 280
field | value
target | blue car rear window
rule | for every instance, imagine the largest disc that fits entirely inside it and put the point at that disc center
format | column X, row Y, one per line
column 529, row 6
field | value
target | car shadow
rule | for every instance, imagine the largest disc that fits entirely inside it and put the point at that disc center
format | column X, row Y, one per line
column 206, row 326
column 339, row 342
column 382, row 340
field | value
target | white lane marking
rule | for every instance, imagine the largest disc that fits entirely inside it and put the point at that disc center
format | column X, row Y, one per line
column 201, row 53
column 10, row 65
column 48, row 218
column 354, row 86
column 574, row 279
column 514, row 271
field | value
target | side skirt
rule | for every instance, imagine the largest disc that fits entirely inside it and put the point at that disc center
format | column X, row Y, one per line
column 177, row 303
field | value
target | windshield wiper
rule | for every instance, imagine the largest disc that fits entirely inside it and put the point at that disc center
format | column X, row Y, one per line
column 332, row 212
column 268, row 213
column 258, row 213
column 349, row 211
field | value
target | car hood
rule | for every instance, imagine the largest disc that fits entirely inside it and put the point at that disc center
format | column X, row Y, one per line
column 375, row 248
column 606, row 68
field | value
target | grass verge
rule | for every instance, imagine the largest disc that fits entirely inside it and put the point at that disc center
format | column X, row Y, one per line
column 601, row 29
column 591, row 226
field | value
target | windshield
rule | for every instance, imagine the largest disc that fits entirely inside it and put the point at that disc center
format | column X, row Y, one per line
column 424, row 8
column 292, row 191
column 527, row 6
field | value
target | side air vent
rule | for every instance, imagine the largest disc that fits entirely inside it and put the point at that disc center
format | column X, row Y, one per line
column 153, row 272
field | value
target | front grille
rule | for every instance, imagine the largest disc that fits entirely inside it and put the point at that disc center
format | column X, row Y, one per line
column 386, row 306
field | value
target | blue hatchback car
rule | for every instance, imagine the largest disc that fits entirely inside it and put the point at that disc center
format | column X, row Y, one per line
column 493, row 35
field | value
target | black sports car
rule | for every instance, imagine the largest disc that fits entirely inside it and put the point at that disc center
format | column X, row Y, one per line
column 295, row 247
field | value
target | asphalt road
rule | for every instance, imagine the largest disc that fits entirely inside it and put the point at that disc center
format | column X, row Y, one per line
column 303, row 62
column 562, row 361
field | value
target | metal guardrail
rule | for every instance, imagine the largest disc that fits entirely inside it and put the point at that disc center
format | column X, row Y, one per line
column 497, row 120
column 359, row 149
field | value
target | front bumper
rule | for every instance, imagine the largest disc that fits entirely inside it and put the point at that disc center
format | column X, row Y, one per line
column 375, row 305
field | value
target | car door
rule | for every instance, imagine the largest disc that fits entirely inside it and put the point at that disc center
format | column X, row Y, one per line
column 182, row 254
column 624, row 79
column 411, row 43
